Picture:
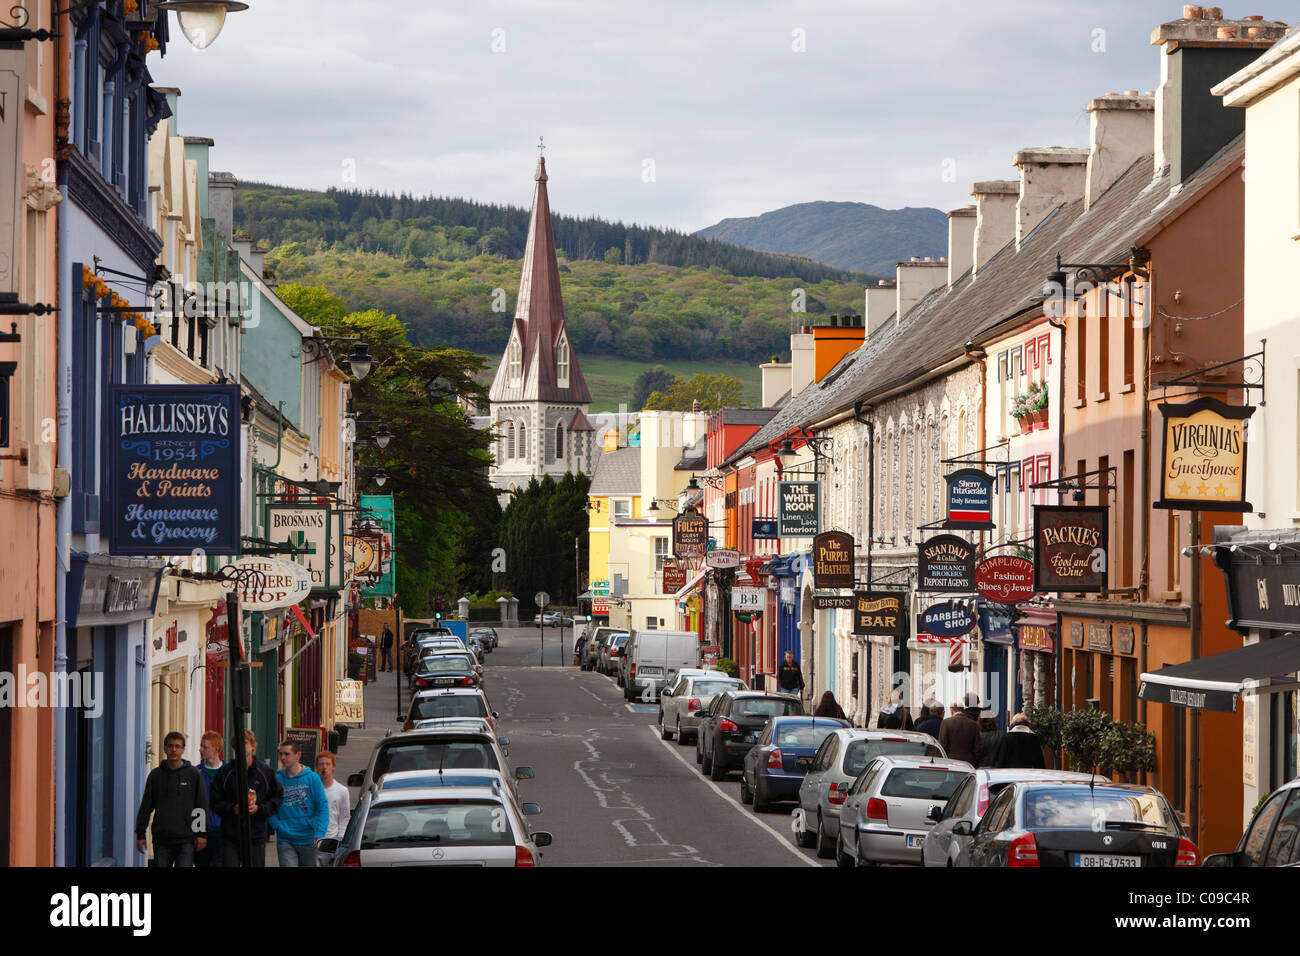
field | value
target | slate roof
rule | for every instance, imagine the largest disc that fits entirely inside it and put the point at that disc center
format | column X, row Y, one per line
column 617, row 473
column 935, row 330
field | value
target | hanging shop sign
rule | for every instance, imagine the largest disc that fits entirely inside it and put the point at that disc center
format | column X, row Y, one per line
column 304, row 527
column 674, row 580
column 833, row 602
column 944, row 620
column 360, row 552
column 271, row 583
column 1070, row 547
column 970, row 499
column 748, row 599
column 379, row 581
column 1035, row 637
column 1265, row 593
column 174, row 469
column 690, row 535
column 799, row 508
column 1205, row 456
column 1005, row 579
column 946, row 563
column 765, row 529
column 879, row 612
column 599, row 608
column 832, row 557
column 723, row 558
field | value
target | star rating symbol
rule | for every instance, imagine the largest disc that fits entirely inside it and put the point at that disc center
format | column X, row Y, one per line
column 1203, row 489
column 1184, row 488
column 1221, row 491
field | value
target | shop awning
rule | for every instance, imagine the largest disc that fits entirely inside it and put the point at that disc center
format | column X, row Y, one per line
column 691, row 585
column 1215, row 682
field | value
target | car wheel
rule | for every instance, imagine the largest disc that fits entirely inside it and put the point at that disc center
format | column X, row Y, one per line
column 699, row 748
column 805, row 837
column 664, row 732
column 706, row 765
column 760, row 801
column 628, row 696
column 681, row 736
column 842, row 859
column 746, row 795
column 825, row 846
column 719, row 769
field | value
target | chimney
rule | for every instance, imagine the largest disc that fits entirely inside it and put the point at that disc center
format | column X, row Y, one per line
column 221, row 203
column 776, row 381
column 1049, row 177
column 881, row 300
column 995, row 219
column 1201, row 50
column 961, row 242
column 915, row 280
column 801, row 360
column 1120, row 127
column 831, row 343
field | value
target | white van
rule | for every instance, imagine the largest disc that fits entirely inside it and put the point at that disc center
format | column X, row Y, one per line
column 653, row 658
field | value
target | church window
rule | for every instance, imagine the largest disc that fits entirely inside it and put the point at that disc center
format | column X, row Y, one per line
column 516, row 354
column 562, row 363
column 559, row 441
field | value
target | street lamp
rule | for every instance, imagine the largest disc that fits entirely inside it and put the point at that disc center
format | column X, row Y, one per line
column 360, row 361
column 201, row 20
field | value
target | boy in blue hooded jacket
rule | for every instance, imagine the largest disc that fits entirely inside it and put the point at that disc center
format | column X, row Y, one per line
column 304, row 814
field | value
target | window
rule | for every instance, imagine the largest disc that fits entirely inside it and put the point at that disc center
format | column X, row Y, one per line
column 661, row 554
column 559, row 441
column 509, row 450
column 1126, row 325
column 1081, row 357
column 622, row 508
column 521, row 441
column 1257, row 838
column 516, row 362
column 650, row 624
column 562, row 362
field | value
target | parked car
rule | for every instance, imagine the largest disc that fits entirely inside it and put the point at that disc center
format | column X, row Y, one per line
column 886, row 816
column 680, row 702
column 775, row 767
column 969, row 803
column 1037, row 823
column 448, row 702
column 446, row 748
column 446, row 670
column 607, row 662
column 1273, row 837
column 591, row 651
column 487, row 637
column 654, row 658
column 422, row 819
column 731, row 726
column 841, row 757
column 475, row 647
column 478, row 724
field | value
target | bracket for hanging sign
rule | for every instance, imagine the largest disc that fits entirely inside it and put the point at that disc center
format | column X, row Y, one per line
column 1251, row 377
column 1079, row 484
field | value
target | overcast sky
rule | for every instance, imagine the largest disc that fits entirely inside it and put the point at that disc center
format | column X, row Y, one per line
column 674, row 113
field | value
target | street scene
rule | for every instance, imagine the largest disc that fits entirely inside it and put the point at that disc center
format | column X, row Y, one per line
column 802, row 435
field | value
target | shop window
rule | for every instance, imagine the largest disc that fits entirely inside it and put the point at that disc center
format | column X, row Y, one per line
column 1173, row 776
column 661, row 554
column 1106, row 691
column 1128, row 689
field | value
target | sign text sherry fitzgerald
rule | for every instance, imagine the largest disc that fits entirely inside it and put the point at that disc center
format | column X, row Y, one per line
column 175, row 469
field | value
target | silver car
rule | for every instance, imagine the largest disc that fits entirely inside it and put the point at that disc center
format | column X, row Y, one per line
column 681, row 702
column 968, row 803
column 459, row 818
column 842, row 756
column 440, row 748
column 886, row 816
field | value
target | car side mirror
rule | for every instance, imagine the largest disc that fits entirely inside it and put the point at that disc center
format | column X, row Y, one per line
column 524, row 773
column 531, row 809
column 665, row 693
column 495, row 715
column 401, row 718
column 962, row 828
column 1221, row 859
column 541, row 838
column 328, row 846
column 356, row 779
column 935, row 814
column 504, row 741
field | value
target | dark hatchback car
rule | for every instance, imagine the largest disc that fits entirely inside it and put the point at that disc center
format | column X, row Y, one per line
column 1079, row 825
column 774, row 768
column 731, row 726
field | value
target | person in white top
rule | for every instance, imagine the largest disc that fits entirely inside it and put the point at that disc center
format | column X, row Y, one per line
column 339, row 801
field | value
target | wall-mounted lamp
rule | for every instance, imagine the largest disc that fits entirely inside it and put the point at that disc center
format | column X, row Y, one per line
column 202, row 20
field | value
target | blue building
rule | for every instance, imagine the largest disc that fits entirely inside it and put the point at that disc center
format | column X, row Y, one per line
column 105, row 603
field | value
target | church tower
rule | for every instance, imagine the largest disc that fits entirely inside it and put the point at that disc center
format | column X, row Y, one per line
column 539, row 398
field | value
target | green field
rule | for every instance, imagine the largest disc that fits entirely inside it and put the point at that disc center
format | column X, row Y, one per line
column 611, row 379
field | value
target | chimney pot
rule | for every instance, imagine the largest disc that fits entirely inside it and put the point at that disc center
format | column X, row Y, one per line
column 1227, row 33
column 1256, row 32
column 1214, row 13
column 1192, row 12
column 1255, row 17
column 835, row 321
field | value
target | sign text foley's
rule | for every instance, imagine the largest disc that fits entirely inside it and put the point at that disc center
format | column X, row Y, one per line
column 174, row 467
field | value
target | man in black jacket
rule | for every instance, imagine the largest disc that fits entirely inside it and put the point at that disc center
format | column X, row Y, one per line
column 259, row 804
column 176, row 798
column 789, row 678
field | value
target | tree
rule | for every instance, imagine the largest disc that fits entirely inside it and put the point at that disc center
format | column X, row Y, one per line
column 657, row 379
column 637, row 344
column 711, row 391
column 613, row 256
column 538, row 529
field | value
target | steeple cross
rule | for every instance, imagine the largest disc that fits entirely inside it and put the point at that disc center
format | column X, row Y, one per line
column 541, row 147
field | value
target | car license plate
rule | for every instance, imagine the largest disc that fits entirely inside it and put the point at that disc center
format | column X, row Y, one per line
column 1104, row 860
column 446, row 682
column 915, row 842
column 652, row 670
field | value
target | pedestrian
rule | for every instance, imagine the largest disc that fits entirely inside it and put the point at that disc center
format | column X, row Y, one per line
column 934, row 718
column 386, row 645
column 178, row 802
column 339, row 801
column 991, row 742
column 959, row 735
column 211, row 745
column 789, row 678
column 577, row 648
column 829, row 707
column 1022, row 747
column 304, row 813
column 894, row 715
column 258, row 803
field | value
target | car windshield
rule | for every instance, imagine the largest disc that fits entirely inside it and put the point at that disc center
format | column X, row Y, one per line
column 452, row 705
column 707, row 688
column 1096, row 808
column 861, row 752
column 922, row 783
column 431, row 755
column 621, row 639
column 765, row 707
column 444, row 665
column 443, row 824
column 802, row 735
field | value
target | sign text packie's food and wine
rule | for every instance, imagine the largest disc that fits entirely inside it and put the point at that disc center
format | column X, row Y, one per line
column 832, row 556
column 1070, row 547
column 1205, row 456
column 946, row 563
column 174, row 469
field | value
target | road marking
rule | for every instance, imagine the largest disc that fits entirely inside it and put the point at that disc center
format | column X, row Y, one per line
column 672, row 748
